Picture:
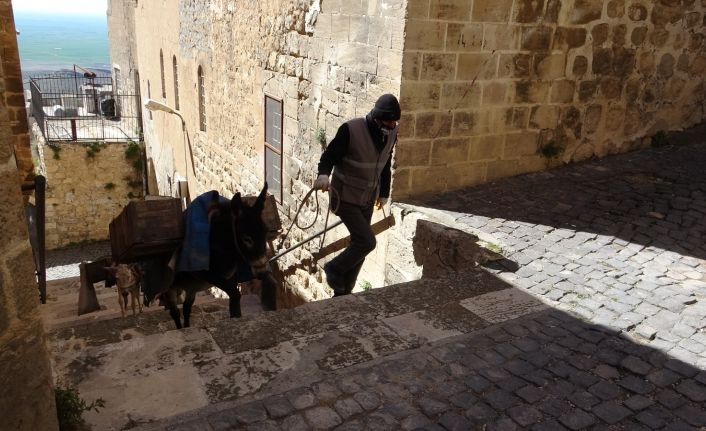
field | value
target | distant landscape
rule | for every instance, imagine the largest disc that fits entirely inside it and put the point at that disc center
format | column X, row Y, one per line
column 54, row 43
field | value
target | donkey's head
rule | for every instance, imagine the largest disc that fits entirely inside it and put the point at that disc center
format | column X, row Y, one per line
column 250, row 231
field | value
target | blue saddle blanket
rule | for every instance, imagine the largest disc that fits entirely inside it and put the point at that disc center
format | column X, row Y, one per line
column 194, row 251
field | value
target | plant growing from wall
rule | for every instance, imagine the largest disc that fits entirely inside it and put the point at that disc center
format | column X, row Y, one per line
column 56, row 149
column 70, row 407
column 551, row 149
column 93, row 148
column 659, row 139
column 109, row 186
column 320, row 136
column 133, row 154
column 366, row 285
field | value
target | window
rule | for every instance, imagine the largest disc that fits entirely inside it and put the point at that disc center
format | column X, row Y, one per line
column 161, row 70
column 202, row 99
column 176, row 83
column 273, row 146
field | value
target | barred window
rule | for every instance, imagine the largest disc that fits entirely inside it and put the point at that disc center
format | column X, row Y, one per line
column 273, row 146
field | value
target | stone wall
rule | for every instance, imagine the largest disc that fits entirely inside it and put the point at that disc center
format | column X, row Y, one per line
column 490, row 85
column 13, row 96
column 84, row 194
column 26, row 395
column 121, row 21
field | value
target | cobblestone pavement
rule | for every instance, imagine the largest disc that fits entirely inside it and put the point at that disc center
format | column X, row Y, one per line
column 548, row 371
column 63, row 263
column 620, row 242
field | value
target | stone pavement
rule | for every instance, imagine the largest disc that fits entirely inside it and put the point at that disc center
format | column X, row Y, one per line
column 620, row 242
column 63, row 263
column 595, row 321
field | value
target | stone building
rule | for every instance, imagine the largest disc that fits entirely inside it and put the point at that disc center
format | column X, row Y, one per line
column 26, row 395
column 488, row 88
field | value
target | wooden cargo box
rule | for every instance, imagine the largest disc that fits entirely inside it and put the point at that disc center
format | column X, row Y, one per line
column 146, row 228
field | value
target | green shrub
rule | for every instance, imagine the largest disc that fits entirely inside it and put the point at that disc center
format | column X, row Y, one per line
column 366, row 285
column 551, row 149
column 70, row 407
column 320, row 136
column 659, row 139
column 93, row 148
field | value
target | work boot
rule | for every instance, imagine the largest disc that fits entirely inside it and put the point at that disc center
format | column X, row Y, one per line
column 334, row 281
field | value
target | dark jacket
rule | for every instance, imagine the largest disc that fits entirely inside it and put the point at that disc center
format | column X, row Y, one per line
column 338, row 148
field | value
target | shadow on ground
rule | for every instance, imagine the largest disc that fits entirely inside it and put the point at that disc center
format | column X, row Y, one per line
column 655, row 197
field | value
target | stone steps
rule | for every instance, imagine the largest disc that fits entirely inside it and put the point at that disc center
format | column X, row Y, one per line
column 148, row 372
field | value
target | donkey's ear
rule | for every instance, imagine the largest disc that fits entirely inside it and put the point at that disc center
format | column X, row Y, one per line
column 236, row 204
column 260, row 202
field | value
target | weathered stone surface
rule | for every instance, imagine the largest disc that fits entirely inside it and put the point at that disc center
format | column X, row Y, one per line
column 585, row 11
column 464, row 37
column 504, row 305
column 491, row 10
column 528, row 11
column 569, row 37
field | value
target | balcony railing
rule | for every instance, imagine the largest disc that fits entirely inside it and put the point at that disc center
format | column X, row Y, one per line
column 84, row 107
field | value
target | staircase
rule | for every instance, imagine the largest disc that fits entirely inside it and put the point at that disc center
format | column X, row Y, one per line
column 147, row 371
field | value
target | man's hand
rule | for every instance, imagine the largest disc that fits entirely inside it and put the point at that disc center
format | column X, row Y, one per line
column 381, row 202
column 322, row 183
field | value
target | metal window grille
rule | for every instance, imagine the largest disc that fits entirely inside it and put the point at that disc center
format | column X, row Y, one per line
column 273, row 146
column 202, row 99
column 176, row 82
column 161, row 71
column 71, row 106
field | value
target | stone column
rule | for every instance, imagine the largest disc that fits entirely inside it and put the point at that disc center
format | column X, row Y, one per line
column 26, row 395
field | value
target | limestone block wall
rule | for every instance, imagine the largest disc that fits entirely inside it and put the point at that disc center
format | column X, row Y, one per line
column 26, row 390
column 13, row 96
column 487, row 85
column 326, row 61
column 84, row 194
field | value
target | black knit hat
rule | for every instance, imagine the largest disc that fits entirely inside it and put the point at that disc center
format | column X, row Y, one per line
column 387, row 108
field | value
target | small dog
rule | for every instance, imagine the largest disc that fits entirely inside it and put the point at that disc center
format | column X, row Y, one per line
column 127, row 279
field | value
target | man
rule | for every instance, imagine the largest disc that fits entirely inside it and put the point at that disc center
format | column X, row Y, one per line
column 361, row 153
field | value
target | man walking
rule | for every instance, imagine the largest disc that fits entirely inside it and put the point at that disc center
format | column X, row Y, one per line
column 361, row 153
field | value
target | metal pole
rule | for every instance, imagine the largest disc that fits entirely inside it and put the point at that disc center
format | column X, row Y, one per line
column 40, row 184
column 301, row 243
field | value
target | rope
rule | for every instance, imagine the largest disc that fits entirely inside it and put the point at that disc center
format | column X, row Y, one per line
column 295, row 220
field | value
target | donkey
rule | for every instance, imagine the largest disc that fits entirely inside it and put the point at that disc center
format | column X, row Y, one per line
column 237, row 239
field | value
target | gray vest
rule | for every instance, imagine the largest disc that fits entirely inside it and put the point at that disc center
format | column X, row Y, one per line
column 357, row 177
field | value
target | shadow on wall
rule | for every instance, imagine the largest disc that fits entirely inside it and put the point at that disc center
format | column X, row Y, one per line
column 656, row 197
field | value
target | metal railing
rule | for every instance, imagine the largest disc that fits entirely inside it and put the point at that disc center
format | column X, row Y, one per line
column 84, row 107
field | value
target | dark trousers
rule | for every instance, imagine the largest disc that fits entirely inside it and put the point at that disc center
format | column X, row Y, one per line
column 347, row 264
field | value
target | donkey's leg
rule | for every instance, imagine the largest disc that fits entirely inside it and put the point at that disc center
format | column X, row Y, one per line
column 268, row 291
column 188, row 302
column 230, row 287
column 171, row 299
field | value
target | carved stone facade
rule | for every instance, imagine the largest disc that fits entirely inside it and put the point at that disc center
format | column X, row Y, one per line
column 26, row 395
column 488, row 88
